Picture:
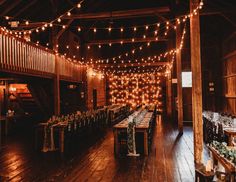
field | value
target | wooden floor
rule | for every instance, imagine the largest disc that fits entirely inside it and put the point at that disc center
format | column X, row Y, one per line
column 171, row 159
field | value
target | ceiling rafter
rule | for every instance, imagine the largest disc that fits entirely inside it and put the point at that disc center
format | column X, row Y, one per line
column 128, row 40
column 126, row 65
column 10, row 7
column 25, row 8
column 134, row 13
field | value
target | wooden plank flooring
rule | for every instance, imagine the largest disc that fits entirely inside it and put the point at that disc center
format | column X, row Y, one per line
column 171, row 159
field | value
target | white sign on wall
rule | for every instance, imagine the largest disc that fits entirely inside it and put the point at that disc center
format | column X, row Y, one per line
column 187, row 79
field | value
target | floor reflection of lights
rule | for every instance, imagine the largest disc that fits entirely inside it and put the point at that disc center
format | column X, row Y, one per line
column 12, row 162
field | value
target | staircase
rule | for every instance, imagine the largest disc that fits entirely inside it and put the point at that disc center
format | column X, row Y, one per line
column 28, row 103
column 33, row 100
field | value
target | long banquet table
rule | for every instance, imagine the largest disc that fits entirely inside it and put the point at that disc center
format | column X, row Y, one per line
column 143, row 127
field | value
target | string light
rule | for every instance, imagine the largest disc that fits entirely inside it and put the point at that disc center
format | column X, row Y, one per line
column 135, row 88
column 50, row 24
column 181, row 18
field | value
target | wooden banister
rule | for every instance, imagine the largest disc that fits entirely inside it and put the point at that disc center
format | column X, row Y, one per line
column 22, row 57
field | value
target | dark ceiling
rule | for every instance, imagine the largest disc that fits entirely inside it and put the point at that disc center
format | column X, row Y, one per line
column 216, row 14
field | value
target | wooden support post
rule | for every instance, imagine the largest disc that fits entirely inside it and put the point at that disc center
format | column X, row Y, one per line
column 179, row 79
column 169, row 87
column 169, row 96
column 57, row 107
column 196, row 83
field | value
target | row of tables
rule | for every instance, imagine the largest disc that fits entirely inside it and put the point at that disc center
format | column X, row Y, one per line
column 114, row 111
column 230, row 131
column 61, row 128
column 143, row 127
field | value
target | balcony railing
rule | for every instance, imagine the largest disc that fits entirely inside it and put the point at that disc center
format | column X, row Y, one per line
column 22, row 57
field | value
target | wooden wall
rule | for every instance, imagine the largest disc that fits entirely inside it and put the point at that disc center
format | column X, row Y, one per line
column 229, row 75
column 98, row 82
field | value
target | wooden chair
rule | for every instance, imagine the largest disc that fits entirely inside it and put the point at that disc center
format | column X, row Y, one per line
column 201, row 175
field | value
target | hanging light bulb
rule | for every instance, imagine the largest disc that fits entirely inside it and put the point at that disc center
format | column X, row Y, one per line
column 7, row 17
column 146, row 27
column 50, row 24
column 78, row 5
column 79, row 29
column 109, row 29
column 121, row 29
column 135, row 28
column 27, row 22
column 59, row 20
column 68, row 13
column 94, row 30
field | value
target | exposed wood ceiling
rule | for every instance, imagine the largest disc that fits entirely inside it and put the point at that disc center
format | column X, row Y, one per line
column 103, row 13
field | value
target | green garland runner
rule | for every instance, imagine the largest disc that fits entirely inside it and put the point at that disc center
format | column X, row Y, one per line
column 228, row 153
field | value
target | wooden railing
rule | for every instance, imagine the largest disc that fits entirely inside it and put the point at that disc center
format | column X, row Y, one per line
column 22, row 57
column 69, row 70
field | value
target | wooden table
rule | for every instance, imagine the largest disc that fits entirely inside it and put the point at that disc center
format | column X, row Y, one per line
column 142, row 127
column 229, row 167
column 231, row 133
column 60, row 127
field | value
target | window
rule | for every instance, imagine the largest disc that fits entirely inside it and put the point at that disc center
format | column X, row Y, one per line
column 187, row 79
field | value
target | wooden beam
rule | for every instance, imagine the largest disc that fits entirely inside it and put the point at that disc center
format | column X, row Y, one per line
column 169, row 88
column 179, row 80
column 63, row 29
column 2, row 2
column 121, row 14
column 57, row 106
column 25, row 8
column 126, row 65
column 168, row 96
column 196, row 83
column 128, row 40
column 10, row 7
